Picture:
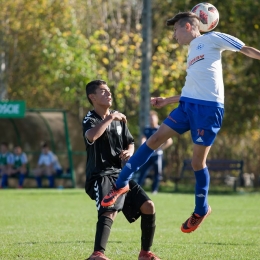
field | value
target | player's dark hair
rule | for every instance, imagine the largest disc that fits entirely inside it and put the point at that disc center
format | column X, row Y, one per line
column 44, row 144
column 4, row 144
column 184, row 17
column 92, row 86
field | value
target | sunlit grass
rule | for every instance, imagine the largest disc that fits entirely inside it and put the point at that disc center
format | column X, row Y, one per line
column 60, row 224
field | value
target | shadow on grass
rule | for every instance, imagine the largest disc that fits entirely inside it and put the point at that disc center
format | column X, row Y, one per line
column 61, row 242
column 46, row 191
column 228, row 244
column 213, row 190
column 120, row 242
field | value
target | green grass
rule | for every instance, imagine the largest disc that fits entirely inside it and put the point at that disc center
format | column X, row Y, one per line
column 60, row 224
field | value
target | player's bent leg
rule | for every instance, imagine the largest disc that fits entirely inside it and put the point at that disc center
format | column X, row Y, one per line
column 148, row 229
column 147, row 207
column 160, row 136
column 105, row 216
column 111, row 198
column 200, row 153
column 194, row 221
column 141, row 156
column 138, row 204
column 103, row 229
column 202, row 209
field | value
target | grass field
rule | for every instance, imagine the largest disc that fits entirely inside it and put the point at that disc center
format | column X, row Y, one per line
column 60, row 224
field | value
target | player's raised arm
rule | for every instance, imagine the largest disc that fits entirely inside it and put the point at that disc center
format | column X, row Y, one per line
column 159, row 102
column 251, row 52
column 95, row 132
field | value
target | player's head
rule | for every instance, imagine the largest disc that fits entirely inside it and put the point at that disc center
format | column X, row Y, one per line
column 3, row 147
column 98, row 93
column 45, row 147
column 17, row 150
column 186, row 27
column 153, row 118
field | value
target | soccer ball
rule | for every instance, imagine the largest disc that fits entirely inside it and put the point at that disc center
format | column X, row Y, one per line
column 208, row 14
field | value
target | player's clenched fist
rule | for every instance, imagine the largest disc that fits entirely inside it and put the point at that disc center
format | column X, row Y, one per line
column 158, row 102
column 119, row 117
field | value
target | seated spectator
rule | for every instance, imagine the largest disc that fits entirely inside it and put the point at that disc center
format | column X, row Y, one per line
column 48, row 165
column 20, row 165
column 6, row 164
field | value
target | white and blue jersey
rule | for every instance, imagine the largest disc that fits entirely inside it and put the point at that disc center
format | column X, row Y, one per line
column 201, row 107
column 49, row 159
column 204, row 81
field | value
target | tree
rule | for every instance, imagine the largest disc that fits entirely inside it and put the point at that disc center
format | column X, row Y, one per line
column 48, row 60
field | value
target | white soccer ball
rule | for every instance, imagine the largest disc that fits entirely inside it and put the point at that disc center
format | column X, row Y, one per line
column 208, row 14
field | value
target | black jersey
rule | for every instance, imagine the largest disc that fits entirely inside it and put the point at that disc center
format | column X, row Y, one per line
column 103, row 154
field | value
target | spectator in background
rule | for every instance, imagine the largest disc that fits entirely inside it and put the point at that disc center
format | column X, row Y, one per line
column 20, row 165
column 156, row 160
column 6, row 164
column 48, row 165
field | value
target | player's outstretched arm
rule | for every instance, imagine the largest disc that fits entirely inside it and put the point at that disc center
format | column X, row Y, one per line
column 159, row 102
column 251, row 52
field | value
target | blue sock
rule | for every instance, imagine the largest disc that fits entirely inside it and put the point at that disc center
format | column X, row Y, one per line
column 51, row 181
column 140, row 157
column 39, row 181
column 21, row 179
column 201, row 191
column 4, row 180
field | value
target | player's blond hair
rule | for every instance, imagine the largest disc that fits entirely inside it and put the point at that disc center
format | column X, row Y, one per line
column 153, row 113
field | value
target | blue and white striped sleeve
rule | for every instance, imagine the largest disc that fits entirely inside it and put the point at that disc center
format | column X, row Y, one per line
column 226, row 41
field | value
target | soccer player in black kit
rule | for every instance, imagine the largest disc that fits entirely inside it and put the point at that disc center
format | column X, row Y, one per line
column 109, row 145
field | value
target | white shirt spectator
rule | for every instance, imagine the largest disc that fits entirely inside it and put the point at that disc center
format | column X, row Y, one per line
column 48, row 159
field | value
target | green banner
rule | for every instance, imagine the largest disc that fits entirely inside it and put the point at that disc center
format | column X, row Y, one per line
column 12, row 109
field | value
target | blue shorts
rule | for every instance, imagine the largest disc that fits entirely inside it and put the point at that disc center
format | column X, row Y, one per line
column 204, row 122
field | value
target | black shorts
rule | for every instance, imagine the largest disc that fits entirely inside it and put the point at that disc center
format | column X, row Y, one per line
column 130, row 203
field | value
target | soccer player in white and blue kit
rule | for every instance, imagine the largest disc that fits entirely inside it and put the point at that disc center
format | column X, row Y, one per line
column 200, row 110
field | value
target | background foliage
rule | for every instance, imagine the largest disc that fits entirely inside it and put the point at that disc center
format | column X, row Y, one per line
column 53, row 48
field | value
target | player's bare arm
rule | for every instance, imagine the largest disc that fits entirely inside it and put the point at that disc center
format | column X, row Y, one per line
column 94, row 133
column 126, row 154
column 159, row 102
column 251, row 52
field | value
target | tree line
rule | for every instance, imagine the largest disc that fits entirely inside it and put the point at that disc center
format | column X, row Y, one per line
column 51, row 49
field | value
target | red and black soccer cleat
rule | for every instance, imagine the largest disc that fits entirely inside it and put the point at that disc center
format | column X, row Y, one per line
column 193, row 222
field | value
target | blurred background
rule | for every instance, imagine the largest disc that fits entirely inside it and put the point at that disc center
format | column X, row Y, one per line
column 50, row 49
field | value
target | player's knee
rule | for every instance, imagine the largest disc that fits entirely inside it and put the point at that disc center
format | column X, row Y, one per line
column 110, row 214
column 196, row 165
column 148, row 207
column 154, row 141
